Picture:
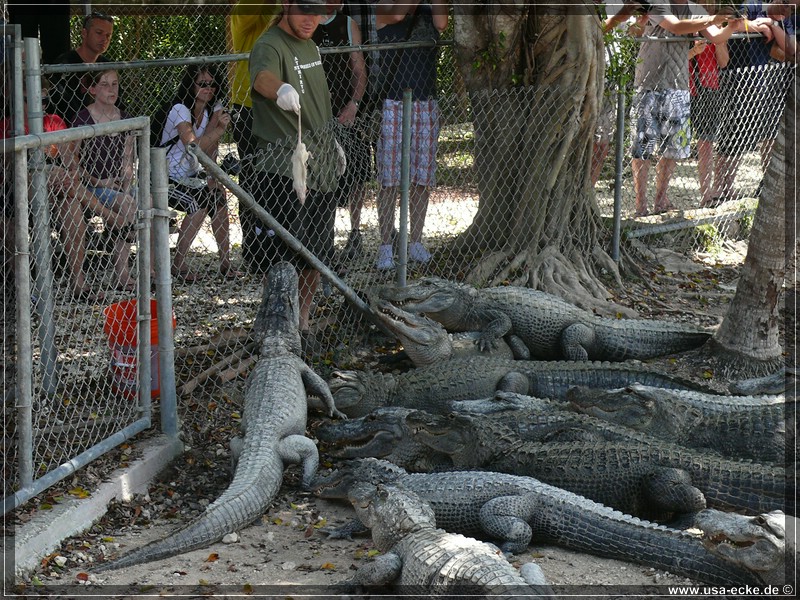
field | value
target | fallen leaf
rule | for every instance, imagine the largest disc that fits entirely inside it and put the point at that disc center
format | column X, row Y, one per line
column 328, row 566
column 212, row 557
column 247, row 588
column 78, row 492
column 309, row 531
column 82, row 577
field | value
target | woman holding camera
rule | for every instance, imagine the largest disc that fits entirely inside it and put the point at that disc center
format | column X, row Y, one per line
column 194, row 117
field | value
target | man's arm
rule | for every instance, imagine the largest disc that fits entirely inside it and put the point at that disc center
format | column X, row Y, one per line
column 358, row 77
column 440, row 10
column 389, row 12
column 715, row 35
column 678, row 26
column 267, row 83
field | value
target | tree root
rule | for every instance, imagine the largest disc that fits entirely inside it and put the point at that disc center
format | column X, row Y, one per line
column 730, row 364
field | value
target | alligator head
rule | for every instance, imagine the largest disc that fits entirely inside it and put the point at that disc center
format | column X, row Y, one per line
column 277, row 323
column 338, row 483
column 425, row 341
column 757, row 544
column 357, row 393
column 444, row 301
column 391, row 513
column 375, row 434
column 623, row 406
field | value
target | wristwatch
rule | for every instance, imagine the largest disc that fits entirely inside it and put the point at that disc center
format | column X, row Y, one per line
column 356, row 102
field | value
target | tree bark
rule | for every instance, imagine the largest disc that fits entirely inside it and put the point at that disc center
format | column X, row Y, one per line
column 537, row 222
column 747, row 343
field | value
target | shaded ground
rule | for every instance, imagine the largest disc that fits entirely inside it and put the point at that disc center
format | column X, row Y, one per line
column 286, row 547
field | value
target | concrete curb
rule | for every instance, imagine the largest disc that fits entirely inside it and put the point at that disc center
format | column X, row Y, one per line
column 39, row 537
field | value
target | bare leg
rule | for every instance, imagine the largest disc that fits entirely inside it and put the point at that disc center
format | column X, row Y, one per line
column 641, row 169
column 418, row 207
column 73, row 232
column 664, row 170
column 308, row 283
column 726, row 168
column 386, row 202
column 220, row 226
column 355, row 204
column 122, row 252
column 599, row 153
column 705, row 167
column 190, row 226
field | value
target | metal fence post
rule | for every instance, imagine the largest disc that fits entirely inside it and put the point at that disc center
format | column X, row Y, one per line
column 159, row 183
column 405, row 185
column 22, row 280
column 40, row 208
column 619, row 152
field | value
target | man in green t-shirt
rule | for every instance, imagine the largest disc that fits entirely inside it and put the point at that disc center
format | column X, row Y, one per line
column 288, row 82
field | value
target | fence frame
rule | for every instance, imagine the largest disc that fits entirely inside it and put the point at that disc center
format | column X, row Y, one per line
column 43, row 283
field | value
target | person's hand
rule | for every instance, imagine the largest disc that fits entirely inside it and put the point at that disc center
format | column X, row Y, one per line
column 288, row 98
column 347, row 116
column 123, row 215
column 698, row 48
column 220, row 119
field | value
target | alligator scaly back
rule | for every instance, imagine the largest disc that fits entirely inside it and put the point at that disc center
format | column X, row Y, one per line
column 274, row 426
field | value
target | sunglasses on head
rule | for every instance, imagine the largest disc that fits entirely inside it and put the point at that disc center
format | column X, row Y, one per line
column 205, row 84
column 96, row 14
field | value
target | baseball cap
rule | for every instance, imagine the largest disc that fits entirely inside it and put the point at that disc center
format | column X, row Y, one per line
column 313, row 7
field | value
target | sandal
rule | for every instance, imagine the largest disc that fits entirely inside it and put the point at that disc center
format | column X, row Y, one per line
column 184, row 275
column 228, row 272
column 641, row 213
column 658, row 210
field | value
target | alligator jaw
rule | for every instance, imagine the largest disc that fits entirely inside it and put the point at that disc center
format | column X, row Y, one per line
column 378, row 444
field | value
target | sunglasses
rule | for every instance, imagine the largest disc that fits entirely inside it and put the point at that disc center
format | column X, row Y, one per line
column 96, row 14
column 205, row 84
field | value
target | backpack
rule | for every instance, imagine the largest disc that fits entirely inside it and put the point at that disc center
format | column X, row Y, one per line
column 157, row 124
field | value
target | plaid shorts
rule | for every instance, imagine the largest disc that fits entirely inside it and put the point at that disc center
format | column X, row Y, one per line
column 424, row 143
column 662, row 124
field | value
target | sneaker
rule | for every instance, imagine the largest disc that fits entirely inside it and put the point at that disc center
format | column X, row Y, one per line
column 353, row 247
column 418, row 253
column 385, row 260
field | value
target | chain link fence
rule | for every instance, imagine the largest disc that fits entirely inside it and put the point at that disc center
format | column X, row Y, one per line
column 214, row 350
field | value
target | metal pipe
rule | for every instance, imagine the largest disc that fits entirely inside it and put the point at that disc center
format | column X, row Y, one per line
column 218, row 58
column 144, row 316
column 292, row 242
column 22, row 281
column 686, row 224
column 68, row 468
column 43, row 283
column 84, row 132
column 619, row 152
column 405, row 179
column 159, row 182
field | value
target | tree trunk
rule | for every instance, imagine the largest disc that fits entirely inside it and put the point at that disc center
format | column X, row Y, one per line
column 537, row 222
column 747, row 343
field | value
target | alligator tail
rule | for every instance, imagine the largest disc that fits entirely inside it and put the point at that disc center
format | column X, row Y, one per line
column 645, row 339
column 245, row 500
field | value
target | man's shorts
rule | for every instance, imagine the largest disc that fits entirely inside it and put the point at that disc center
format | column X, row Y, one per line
column 192, row 194
column 706, row 107
column 662, row 124
column 311, row 223
column 424, row 143
column 752, row 106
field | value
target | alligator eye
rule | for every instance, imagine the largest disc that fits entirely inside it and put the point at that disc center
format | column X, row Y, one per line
column 371, row 417
column 452, row 416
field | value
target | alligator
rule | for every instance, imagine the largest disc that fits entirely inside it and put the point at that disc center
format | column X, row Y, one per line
column 434, row 387
column 647, row 480
column 547, row 326
column 511, row 510
column 274, row 427
column 757, row 544
column 771, row 384
column 384, row 433
column 748, row 427
column 426, row 560
column 426, row 342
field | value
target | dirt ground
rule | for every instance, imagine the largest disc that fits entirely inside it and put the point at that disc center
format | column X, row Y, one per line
column 285, row 553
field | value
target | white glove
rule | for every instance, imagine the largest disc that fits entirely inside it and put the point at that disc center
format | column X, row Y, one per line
column 341, row 159
column 288, row 98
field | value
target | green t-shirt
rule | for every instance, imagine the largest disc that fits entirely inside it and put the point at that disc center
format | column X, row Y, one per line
column 298, row 63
